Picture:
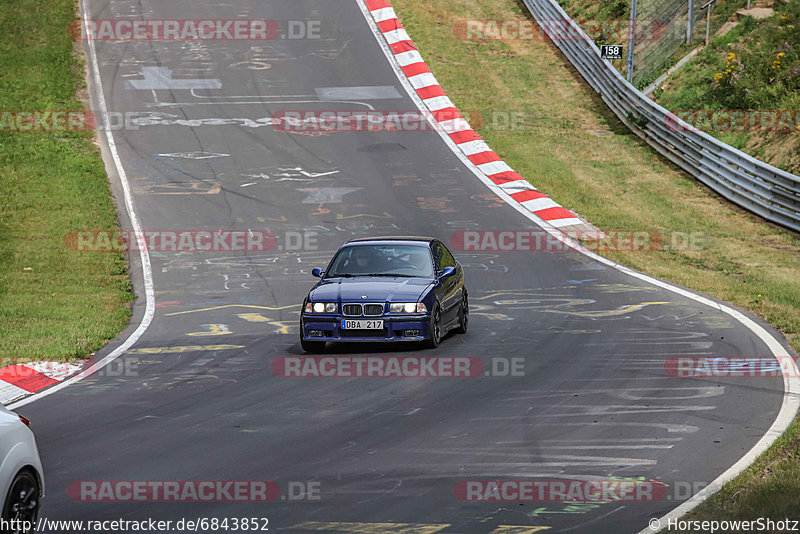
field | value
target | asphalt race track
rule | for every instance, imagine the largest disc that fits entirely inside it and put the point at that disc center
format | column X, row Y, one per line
column 196, row 399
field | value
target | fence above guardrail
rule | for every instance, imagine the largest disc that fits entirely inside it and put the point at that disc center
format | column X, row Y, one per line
column 742, row 179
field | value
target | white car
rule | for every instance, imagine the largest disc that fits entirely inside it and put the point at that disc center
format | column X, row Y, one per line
column 21, row 479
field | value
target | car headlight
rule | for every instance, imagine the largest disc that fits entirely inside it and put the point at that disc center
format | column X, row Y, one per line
column 321, row 307
column 407, row 307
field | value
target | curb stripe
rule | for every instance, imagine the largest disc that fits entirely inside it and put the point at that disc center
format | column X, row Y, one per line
column 409, row 58
column 444, row 111
column 382, row 14
column 473, row 147
column 553, row 214
column 423, row 80
column 540, row 205
column 524, row 196
column 439, row 103
column 430, row 92
column 506, row 177
column 396, row 36
column 22, row 379
column 456, row 126
column 516, row 185
column 415, row 68
column 484, row 157
column 465, row 136
column 402, row 46
column 495, row 167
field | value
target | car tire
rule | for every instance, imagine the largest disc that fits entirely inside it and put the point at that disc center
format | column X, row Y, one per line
column 312, row 346
column 435, row 328
column 22, row 502
column 463, row 316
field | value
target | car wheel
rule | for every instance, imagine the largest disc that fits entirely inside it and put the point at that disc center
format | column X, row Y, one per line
column 312, row 346
column 463, row 316
column 22, row 502
column 435, row 328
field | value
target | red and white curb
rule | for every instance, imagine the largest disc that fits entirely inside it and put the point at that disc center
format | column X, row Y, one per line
column 458, row 129
column 20, row 380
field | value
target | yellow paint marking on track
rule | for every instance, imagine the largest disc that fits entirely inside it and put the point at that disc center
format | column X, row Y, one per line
column 622, row 310
column 235, row 306
column 254, row 317
column 212, row 330
column 525, row 292
column 186, row 348
column 513, row 529
column 340, row 216
column 283, row 326
column 371, row 528
column 174, row 189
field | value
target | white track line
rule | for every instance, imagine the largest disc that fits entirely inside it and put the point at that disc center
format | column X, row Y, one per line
column 147, row 273
column 791, row 384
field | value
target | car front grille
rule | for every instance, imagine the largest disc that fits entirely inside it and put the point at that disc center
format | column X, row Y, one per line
column 353, row 310
column 357, row 310
column 373, row 310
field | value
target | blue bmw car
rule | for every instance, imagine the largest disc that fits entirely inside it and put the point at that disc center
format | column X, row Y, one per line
column 386, row 289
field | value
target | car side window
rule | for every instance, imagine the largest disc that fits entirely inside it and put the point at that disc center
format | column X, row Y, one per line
column 449, row 260
column 442, row 256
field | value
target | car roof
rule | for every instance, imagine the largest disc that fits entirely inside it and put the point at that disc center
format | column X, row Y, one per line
column 396, row 240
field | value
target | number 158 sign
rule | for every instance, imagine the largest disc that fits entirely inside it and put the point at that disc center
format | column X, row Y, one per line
column 611, row 51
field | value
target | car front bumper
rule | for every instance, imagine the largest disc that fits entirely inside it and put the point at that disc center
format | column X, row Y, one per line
column 395, row 328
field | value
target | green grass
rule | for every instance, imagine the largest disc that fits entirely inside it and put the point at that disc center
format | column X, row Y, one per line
column 619, row 183
column 755, row 78
column 55, row 303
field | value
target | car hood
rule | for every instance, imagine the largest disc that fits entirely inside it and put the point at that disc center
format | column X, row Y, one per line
column 378, row 289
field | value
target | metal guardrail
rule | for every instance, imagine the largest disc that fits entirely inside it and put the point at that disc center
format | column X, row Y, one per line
column 742, row 179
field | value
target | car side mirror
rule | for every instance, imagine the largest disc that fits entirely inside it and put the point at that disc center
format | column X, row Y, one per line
column 447, row 272
column 316, row 271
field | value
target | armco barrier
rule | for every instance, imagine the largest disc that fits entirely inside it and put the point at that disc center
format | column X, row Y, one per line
column 752, row 184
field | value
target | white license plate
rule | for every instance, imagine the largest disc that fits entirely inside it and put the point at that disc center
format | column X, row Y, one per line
column 362, row 324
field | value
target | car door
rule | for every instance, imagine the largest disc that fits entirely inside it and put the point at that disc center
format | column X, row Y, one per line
column 449, row 289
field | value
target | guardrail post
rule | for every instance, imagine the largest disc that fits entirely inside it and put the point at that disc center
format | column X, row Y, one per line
column 631, row 40
column 690, row 22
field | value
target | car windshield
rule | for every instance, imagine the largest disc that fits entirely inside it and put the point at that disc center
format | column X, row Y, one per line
column 382, row 260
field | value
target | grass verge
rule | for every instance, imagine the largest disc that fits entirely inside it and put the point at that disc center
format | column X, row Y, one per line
column 55, row 303
column 618, row 183
column 754, row 67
